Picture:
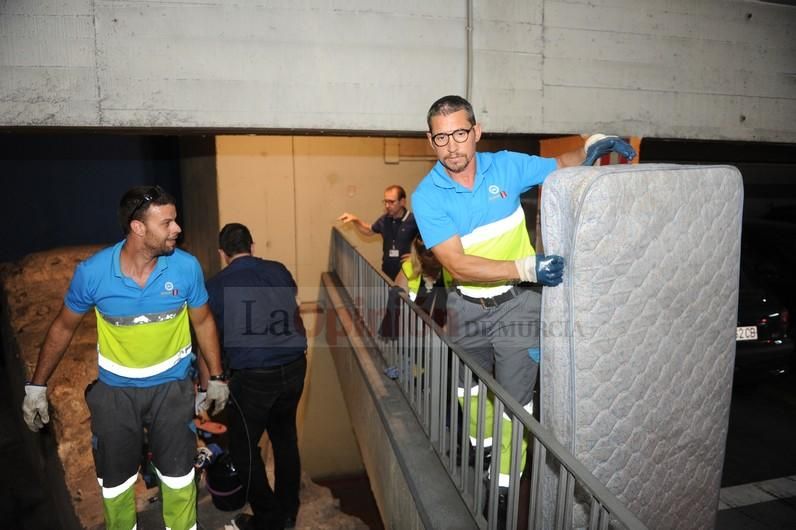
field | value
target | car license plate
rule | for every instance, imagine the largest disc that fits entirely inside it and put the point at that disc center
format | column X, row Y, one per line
column 746, row 333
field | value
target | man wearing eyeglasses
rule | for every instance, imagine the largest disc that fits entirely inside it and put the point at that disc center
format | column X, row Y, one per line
column 469, row 214
column 397, row 228
column 144, row 291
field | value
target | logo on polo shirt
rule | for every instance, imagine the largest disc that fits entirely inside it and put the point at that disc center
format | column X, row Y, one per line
column 170, row 289
column 496, row 193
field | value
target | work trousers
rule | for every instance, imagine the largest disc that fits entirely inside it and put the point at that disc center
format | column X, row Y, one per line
column 265, row 400
column 119, row 416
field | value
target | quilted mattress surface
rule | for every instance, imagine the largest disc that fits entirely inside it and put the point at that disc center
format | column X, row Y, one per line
column 638, row 341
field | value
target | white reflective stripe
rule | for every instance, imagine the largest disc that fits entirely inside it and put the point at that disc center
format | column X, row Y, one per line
column 412, row 296
column 140, row 373
column 506, row 417
column 487, row 442
column 483, row 292
column 529, row 408
column 493, row 229
column 142, row 319
column 473, row 391
column 503, row 480
column 176, row 483
column 111, row 493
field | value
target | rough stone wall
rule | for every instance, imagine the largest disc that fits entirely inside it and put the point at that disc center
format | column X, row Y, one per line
column 33, row 289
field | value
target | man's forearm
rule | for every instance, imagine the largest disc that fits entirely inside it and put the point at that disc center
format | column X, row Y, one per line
column 363, row 227
column 478, row 269
column 204, row 372
column 55, row 344
column 571, row 158
column 209, row 350
column 207, row 336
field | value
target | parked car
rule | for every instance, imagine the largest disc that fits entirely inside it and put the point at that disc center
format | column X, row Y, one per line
column 764, row 333
column 763, row 342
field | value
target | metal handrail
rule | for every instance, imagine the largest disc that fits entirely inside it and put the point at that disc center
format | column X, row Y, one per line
column 563, row 493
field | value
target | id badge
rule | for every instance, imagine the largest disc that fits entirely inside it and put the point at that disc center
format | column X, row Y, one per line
column 393, row 253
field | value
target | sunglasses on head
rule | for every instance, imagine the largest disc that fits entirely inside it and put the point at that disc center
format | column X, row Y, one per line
column 152, row 194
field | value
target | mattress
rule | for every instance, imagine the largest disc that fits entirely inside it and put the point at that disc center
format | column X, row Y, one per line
column 638, row 342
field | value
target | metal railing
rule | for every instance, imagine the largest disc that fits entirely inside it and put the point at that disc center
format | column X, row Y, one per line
column 554, row 491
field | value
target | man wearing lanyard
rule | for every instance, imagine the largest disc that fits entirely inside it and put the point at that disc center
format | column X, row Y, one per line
column 397, row 228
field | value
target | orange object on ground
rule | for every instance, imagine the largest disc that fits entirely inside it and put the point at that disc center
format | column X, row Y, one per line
column 212, row 427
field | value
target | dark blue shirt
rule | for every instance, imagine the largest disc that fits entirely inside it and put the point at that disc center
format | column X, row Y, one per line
column 396, row 235
column 254, row 304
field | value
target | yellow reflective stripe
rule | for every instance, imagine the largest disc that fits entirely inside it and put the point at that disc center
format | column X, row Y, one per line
column 176, row 483
column 510, row 245
column 110, row 493
column 506, row 239
column 494, row 229
column 143, row 345
column 149, row 371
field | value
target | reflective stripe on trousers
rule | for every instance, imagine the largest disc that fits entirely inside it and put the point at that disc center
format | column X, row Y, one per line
column 179, row 503
column 505, row 432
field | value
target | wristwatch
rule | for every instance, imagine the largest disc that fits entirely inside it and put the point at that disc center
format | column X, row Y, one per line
column 219, row 377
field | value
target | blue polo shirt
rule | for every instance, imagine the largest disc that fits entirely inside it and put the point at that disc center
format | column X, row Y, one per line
column 488, row 218
column 143, row 332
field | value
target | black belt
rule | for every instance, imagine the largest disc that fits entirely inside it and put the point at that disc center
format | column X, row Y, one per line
column 494, row 301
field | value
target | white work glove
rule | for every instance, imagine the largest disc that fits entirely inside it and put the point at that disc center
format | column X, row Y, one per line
column 34, row 406
column 217, row 396
column 200, row 401
column 546, row 270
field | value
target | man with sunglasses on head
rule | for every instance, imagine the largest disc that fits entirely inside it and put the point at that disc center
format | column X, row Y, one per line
column 469, row 214
column 144, row 291
column 397, row 228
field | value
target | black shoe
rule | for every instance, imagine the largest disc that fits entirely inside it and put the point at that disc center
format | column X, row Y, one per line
column 243, row 521
column 503, row 502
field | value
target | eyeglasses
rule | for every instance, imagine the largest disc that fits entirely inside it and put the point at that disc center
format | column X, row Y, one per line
column 459, row 136
column 151, row 194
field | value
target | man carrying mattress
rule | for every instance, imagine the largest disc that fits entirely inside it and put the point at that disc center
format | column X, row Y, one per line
column 468, row 212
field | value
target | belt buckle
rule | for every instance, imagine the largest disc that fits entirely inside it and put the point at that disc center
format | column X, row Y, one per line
column 486, row 303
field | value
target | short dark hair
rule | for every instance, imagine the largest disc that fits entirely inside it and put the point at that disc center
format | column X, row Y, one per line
column 448, row 105
column 136, row 201
column 235, row 238
column 400, row 189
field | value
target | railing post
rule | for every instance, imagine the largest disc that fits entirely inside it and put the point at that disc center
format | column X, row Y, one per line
column 429, row 368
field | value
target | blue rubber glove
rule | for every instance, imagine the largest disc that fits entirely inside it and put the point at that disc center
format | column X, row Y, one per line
column 599, row 144
column 549, row 269
column 546, row 270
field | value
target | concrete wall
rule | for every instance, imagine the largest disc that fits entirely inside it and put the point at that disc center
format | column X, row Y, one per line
column 289, row 190
column 720, row 69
